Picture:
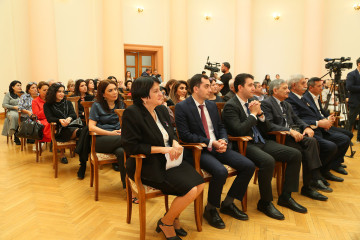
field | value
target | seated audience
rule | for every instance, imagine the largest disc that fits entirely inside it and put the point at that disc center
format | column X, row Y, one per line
column 128, row 76
column 333, row 144
column 169, row 85
column 231, row 93
column 90, row 86
column 243, row 117
column 220, row 85
column 26, row 99
column 157, row 76
column 61, row 111
column 82, row 92
column 178, row 92
column 128, row 85
column 105, row 122
column 282, row 118
column 258, row 94
column 70, row 87
column 10, row 102
column 198, row 121
column 147, row 130
column 214, row 90
column 146, row 73
column 38, row 110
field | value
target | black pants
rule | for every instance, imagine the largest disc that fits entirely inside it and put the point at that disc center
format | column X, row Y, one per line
column 112, row 144
column 333, row 146
column 353, row 113
column 213, row 162
column 310, row 155
column 264, row 157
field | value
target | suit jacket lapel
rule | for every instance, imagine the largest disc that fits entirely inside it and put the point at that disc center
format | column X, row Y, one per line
column 151, row 124
column 278, row 109
column 313, row 106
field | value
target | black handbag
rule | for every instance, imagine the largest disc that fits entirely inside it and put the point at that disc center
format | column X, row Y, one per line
column 31, row 129
column 76, row 123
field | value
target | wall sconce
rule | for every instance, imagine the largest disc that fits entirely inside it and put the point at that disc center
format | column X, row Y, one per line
column 357, row 6
column 276, row 16
column 207, row 16
column 140, row 9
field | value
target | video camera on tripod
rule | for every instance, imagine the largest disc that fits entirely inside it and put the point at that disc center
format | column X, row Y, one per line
column 336, row 65
column 213, row 67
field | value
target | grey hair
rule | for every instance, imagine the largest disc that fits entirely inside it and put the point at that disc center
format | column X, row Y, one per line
column 275, row 84
column 295, row 78
column 231, row 82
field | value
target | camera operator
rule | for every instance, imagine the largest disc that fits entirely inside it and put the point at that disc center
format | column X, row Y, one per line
column 225, row 78
column 353, row 86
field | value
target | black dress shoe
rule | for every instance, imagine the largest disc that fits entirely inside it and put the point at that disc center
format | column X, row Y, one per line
column 214, row 219
column 234, row 212
column 343, row 165
column 31, row 141
column 311, row 193
column 270, row 211
column 116, row 167
column 291, row 204
column 326, row 183
column 81, row 171
column 340, row 170
column 332, row 177
column 319, row 185
column 64, row 160
column 17, row 140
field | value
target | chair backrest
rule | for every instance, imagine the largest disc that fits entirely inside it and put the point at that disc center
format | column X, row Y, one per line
column 127, row 97
column 128, row 103
column 75, row 103
column 220, row 107
column 120, row 113
column 87, row 107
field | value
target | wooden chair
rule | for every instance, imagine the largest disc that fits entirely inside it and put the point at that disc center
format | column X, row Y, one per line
column 75, row 102
column 128, row 103
column 87, row 107
column 127, row 97
column 59, row 146
column 143, row 192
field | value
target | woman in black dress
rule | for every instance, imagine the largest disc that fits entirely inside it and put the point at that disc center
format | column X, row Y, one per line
column 147, row 130
column 60, row 111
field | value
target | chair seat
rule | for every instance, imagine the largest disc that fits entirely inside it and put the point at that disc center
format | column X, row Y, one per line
column 105, row 156
column 63, row 144
column 231, row 171
column 148, row 189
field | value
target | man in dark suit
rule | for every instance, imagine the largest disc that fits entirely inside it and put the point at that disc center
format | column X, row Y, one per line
column 333, row 144
column 244, row 118
column 282, row 118
column 231, row 93
column 198, row 121
column 353, row 86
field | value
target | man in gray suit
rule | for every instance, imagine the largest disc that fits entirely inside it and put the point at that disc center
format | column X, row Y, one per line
column 300, row 136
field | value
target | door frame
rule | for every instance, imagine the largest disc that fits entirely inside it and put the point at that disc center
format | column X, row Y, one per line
column 158, row 54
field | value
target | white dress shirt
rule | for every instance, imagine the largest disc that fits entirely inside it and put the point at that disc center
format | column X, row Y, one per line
column 316, row 100
column 208, row 121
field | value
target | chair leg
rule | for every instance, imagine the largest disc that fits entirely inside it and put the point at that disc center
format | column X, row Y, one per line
column 244, row 202
column 22, row 144
column 166, row 203
column 142, row 216
column 96, row 175
column 128, row 200
column 278, row 180
column 256, row 175
column 55, row 162
column 91, row 174
column 197, row 210
column 37, row 150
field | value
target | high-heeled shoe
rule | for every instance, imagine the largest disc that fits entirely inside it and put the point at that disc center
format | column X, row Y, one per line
column 158, row 229
column 180, row 231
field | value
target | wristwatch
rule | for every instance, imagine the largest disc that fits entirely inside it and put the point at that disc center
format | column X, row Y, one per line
column 261, row 114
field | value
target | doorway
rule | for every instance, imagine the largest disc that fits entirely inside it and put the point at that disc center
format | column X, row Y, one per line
column 140, row 57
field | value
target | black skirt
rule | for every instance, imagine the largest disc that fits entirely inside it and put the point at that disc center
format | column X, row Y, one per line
column 178, row 180
column 65, row 134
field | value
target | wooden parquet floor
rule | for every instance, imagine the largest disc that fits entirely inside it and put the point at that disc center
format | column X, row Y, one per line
column 35, row 205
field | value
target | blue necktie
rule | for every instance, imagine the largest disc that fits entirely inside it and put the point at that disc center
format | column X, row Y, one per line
column 257, row 134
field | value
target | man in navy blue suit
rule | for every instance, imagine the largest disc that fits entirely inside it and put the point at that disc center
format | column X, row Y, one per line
column 198, row 121
column 353, row 86
column 332, row 141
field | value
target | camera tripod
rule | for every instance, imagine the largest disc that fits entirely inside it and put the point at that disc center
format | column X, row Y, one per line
column 339, row 94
